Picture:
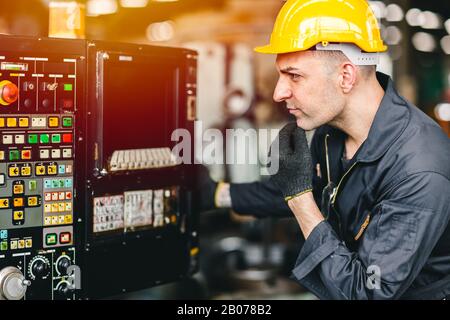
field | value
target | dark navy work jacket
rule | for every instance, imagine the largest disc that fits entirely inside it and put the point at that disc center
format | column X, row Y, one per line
column 387, row 235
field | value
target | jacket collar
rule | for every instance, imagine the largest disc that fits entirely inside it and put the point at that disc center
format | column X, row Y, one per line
column 389, row 123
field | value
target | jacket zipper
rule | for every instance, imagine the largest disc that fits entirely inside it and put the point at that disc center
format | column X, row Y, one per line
column 335, row 191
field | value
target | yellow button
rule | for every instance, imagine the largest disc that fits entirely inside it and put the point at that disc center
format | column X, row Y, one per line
column 47, row 221
column 2, row 122
column 40, row 170
column 18, row 215
column 53, row 122
column 4, row 203
column 33, row 201
column 18, row 202
column 68, row 218
column 25, row 171
column 18, row 189
column 60, row 219
column 61, row 206
column 23, row 122
column 52, row 170
column 28, row 243
column 14, row 171
column 13, row 244
column 55, row 220
column 2, row 155
column 68, row 206
column 47, row 208
column 11, row 122
column 21, row 244
column 54, row 207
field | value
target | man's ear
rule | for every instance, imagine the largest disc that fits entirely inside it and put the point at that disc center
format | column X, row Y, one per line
column 347, row 77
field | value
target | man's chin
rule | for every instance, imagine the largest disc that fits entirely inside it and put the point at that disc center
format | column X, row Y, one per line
column 301, row 123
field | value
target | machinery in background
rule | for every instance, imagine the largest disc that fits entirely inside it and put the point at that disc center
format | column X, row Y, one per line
column 92, row 201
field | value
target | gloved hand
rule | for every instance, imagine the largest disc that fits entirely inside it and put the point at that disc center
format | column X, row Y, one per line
column 294, row 175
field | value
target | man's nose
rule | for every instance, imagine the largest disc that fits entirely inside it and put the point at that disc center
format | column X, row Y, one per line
column 282, row 91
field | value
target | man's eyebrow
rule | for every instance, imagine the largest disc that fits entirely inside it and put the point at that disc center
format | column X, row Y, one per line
column 288, row 69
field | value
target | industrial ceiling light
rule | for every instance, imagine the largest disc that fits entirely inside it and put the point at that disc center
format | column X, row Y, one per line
column 160, row 31
column 414, row 17
column 379, row 9
column 445, row 44
column 133, row 3
column 431, row 20
column 101, row 7
column 394, row 13
column 447, row 25
column 442, row 111
column 424, row 42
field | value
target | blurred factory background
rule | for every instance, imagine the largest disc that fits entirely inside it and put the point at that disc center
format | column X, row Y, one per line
column 243, row 257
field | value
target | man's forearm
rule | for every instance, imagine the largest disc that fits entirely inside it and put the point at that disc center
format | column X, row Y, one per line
column 306, row 212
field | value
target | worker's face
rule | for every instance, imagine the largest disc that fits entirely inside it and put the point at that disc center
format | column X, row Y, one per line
column 309, row 88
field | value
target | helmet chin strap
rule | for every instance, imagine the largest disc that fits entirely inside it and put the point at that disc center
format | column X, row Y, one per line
column 353, row 53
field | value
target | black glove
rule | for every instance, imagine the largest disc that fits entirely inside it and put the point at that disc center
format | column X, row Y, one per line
column 294, row 175
column 206, row 188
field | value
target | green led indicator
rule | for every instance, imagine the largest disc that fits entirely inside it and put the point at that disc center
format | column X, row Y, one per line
column 4, row 246
column 68, row 87
column 51, row 239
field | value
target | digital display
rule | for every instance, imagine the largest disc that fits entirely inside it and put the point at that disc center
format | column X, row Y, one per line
column 14, row 66
column 139, row 104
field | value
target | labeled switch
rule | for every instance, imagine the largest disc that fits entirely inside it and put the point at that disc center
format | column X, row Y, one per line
column 2, row 155
column 40, row 170
column 26, row 154
column 25, row 171
column 67, row 138
column 67, row 122
column 51, row 239
column 23, row 122
column 56, row 138
column 4, row 203
column 65, row 237
column 18, row 215
column 56, row 154
column 18, row 188
column 13, row 171
column 11, row 122
column 44, row 138
column 52, row 169
column 53, row 122
column 18, row 202
column 44, row 154
column 14, row 155
column 32, row 185
column 19, row 139
column 33, row 201
column 7, row 139
column 32, row 138
column 2, row 122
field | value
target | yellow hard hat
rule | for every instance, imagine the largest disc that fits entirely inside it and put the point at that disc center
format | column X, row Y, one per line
column 301, row 24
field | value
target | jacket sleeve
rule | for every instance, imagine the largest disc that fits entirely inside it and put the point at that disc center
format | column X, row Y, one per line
column 404, row 228
column 264, row 199
column 260, row 199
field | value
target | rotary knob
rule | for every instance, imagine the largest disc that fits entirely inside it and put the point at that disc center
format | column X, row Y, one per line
column 8, row 92
column 62, row 264
column 63, row 290
column 39, row 267
column 13, row 285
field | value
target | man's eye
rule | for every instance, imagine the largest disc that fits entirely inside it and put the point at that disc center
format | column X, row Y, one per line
column 294, row 76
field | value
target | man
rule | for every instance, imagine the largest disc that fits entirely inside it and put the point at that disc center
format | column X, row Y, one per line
column 379, row 168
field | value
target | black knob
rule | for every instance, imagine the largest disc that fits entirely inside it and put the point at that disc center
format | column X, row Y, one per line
column 63, row 291
column 40, row 268
column 63, row 264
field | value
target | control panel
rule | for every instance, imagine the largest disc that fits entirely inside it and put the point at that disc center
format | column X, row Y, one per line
column 38, row 114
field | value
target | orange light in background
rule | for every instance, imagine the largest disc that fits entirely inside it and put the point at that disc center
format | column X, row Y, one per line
column 133, row 3
column 67, row 19
column 101, row 7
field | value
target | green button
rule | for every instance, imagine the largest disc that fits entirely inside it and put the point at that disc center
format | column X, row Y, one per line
column 32, row 185
column 68, row 87
column 44, row 138
column 50, row 239
column 4, row 246
column 56, row 138
column 61, row 183
column 14, row 155
column 32, row 138
column 67, row 121
column 55, row 184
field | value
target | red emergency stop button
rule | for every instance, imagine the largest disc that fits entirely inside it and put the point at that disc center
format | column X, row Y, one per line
column 67, row 138
column 8, row 92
